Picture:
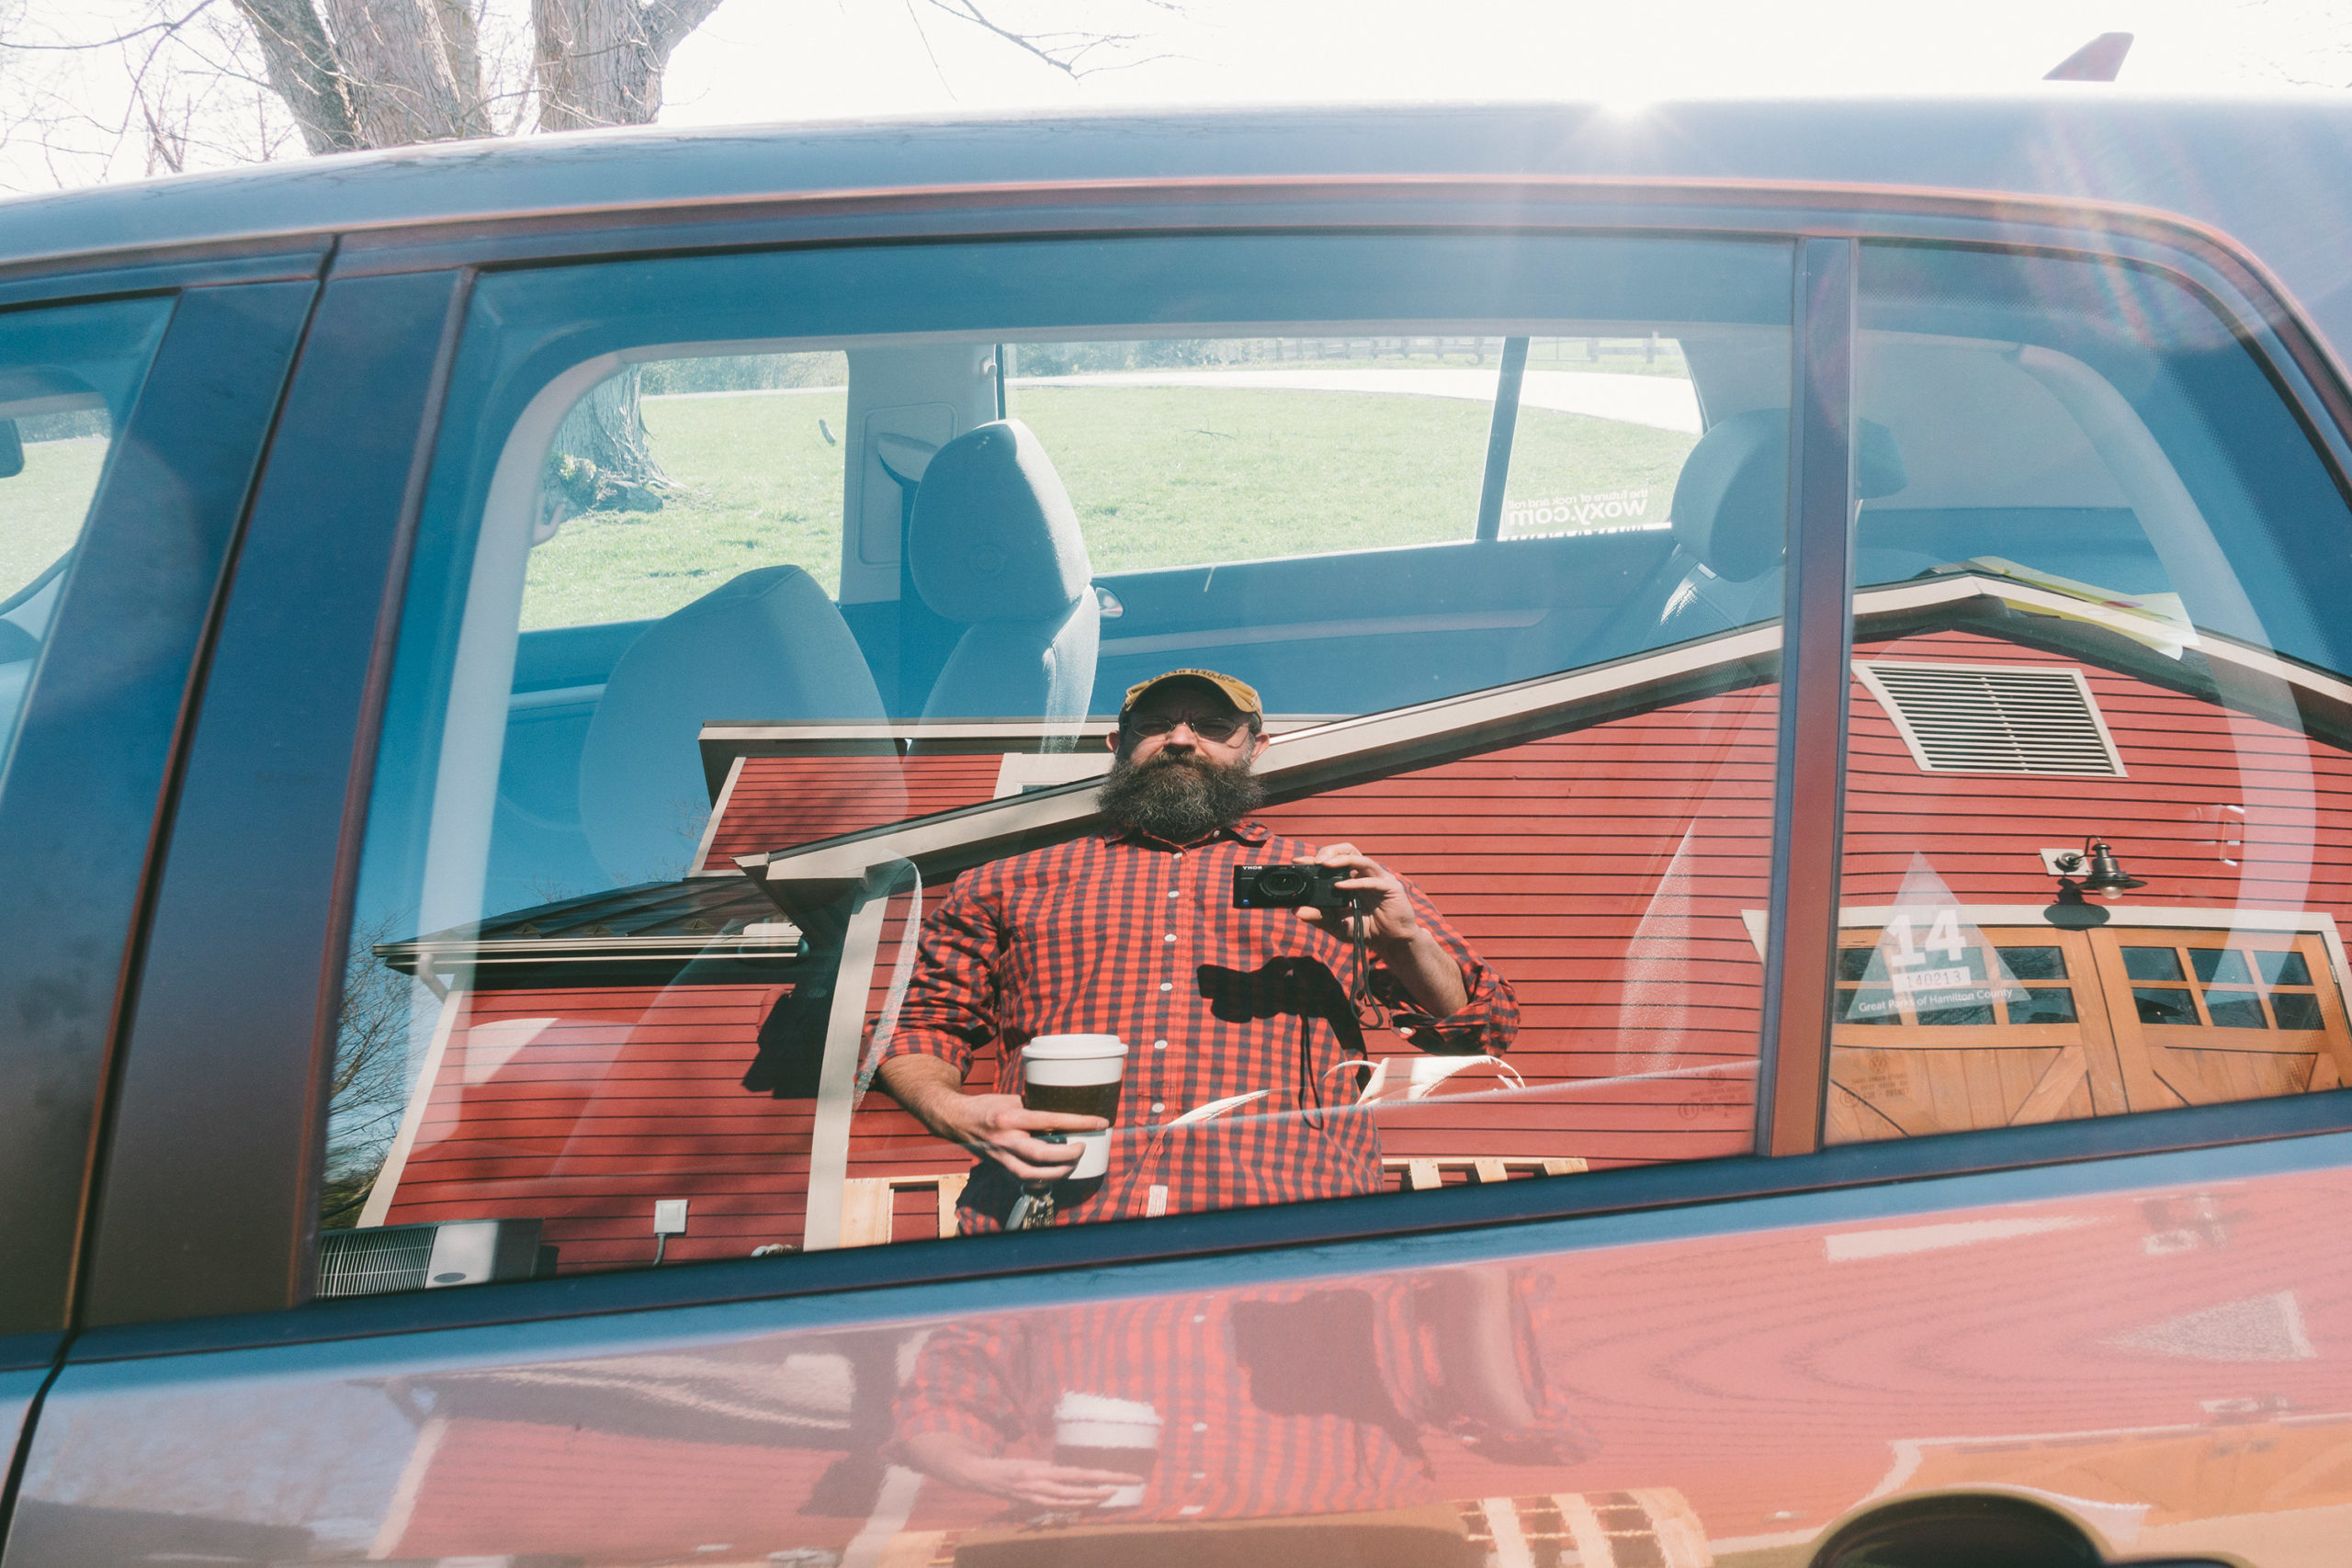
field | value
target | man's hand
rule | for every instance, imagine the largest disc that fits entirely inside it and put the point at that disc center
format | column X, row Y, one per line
column 994, row 1126
column 1381, row 900
column 1393, row 931
column 954, row 1460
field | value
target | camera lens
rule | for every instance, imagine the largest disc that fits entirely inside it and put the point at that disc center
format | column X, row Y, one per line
column 1282, row 882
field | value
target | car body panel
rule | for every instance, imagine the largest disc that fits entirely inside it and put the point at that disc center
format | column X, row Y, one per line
column 1777, row 1363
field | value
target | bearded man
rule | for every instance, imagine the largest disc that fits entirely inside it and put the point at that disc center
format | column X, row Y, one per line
column 1131, row 931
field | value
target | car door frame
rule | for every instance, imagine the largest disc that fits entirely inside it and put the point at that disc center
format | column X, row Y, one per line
column 92, row 764
column 262, row 1043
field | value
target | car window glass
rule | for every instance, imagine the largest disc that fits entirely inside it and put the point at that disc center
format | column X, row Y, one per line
column 672, row 879
column 669, row 476
column 1197, row 450
column 67, row 377
column 2095, row 763
column 1604, row 426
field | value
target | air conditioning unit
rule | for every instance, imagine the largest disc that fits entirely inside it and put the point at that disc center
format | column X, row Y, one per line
column 380, row 1259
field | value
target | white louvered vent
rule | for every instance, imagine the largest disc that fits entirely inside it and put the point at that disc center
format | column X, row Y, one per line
column 1995, row 718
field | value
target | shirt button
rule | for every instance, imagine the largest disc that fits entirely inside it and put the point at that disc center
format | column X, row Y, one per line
column 1200, row 1317
column 1179, row 854
column 1156, row 1105
column 1160, row 1044
column 1175, row 893
column 1200, row 1426
column 1200, row 1476
column 1169, row 937
column 1167, row 984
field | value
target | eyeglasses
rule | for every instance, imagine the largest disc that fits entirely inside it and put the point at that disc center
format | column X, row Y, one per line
column 1153, row 725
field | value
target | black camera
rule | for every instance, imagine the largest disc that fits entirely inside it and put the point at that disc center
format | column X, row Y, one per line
column 1292, row 888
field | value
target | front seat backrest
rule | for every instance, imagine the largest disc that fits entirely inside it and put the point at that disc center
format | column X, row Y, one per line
column 994, row 543
column 766, row 647
column 1730, row 518
column 1730, row 500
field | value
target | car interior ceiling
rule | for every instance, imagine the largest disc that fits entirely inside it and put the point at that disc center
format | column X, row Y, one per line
column 1002, row 619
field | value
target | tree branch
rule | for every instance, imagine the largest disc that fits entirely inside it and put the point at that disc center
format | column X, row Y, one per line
column 166, row 28
column 1065, row 52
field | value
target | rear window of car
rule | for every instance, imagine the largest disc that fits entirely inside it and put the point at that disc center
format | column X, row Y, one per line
column 608, row 1008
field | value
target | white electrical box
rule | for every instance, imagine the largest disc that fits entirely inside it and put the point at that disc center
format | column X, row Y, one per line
column 669, row 1216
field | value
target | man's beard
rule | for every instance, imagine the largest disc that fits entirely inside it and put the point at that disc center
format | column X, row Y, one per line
column 1177, row 799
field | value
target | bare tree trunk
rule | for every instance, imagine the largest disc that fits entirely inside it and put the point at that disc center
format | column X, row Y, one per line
column 302, row 71
column 603, row 462
column 401, row 69
column 600, row 63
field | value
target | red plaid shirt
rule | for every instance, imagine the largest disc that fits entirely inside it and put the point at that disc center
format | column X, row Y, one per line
column 1271, row 1403
column 1120, row 934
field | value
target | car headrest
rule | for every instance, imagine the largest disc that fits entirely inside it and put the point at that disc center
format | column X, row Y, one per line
column 994, row 536
column 1730, row 500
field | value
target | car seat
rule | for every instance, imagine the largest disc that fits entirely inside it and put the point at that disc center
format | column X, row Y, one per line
column 766, row 647
column 1730, row 521
column 994, row 544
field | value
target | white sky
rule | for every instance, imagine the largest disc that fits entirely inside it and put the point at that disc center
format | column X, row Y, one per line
column 757, row 59
column 787, row 60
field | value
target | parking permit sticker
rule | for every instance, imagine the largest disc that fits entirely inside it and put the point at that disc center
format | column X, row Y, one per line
column 1931, row 961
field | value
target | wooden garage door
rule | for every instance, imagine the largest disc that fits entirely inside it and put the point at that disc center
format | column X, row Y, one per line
column 2037, row 1024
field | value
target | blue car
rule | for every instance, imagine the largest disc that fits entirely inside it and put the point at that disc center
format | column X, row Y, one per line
column 1488, row 837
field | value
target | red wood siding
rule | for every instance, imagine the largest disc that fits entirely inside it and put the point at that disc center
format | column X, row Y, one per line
column 2182, row 758
column 624, row 1096
column 778, row 802
column 612, row 1497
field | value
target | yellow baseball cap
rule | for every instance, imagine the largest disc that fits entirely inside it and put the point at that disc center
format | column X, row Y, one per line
column 1241, row 694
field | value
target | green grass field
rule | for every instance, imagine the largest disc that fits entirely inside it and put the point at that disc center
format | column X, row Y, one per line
column 43, row 506
column 1162, row 476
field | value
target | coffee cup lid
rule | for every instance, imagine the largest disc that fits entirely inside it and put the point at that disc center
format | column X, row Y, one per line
column 1074, row 1047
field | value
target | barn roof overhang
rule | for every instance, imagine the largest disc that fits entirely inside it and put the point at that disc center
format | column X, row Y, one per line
column 2102, row 630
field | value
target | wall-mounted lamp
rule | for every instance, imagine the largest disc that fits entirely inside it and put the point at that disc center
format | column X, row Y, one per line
column 2101, row 872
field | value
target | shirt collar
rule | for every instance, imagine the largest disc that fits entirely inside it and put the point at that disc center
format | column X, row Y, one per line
column 1249, row 830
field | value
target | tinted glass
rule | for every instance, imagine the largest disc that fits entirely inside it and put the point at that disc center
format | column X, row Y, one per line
column 2284, row 969
column 2098, row 553
column 2035, row 963
column 674, row 653
column 677, row 475
column 67, row 377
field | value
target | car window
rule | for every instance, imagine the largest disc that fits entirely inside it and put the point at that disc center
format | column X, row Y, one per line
column 67, row 378
column 672, row 476
column 1191, row 451
column 2098, row 748
column 683, row 891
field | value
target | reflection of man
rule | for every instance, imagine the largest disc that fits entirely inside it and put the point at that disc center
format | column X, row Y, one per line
column 1271, row 1403
column 1263, row 1403
column 1131, row 931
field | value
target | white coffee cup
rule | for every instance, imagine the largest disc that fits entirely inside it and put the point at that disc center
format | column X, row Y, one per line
column 1079, row 1074
column 1095, row 1431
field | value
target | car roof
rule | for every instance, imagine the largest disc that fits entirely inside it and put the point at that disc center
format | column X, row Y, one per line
column 2189, row 156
